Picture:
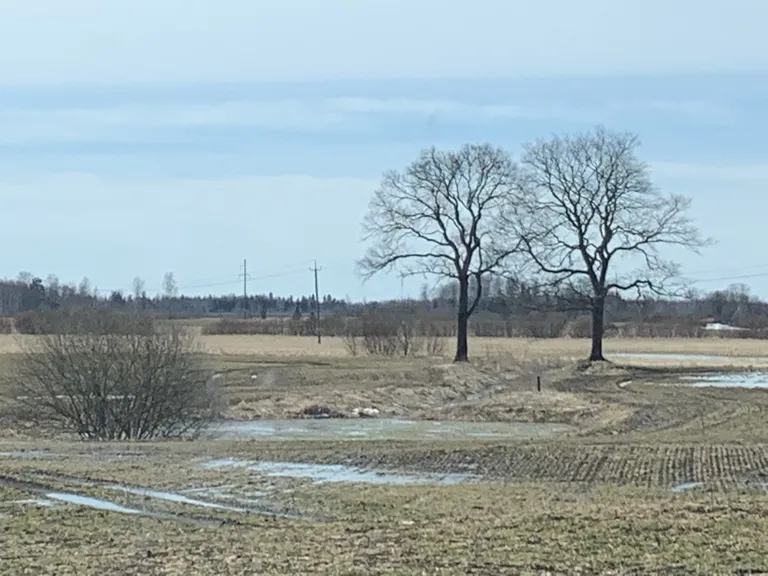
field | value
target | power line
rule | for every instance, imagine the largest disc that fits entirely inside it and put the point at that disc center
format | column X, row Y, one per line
column 245, row 288
column 232, row 281
column 315, row 269
column 728, row 278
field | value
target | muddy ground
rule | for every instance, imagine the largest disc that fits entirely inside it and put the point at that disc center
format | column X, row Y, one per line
column 638, row 473
column 367, row 507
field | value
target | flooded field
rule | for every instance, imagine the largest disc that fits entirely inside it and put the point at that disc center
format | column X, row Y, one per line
column 381, row 429
column 323, row 473
column 729, row 380
column 687, row 358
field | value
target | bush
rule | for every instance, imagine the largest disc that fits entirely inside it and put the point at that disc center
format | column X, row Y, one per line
column 116, row 376
column 381, row 334
column 6, row 325
column 329, row 326
column 81, row 321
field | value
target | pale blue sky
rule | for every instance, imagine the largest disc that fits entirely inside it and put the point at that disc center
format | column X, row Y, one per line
column 143, row 137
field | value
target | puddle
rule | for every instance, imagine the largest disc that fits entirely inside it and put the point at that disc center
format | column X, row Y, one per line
column 232, row 493
column 227, row 463
column 94, row 503
column 171, row 497
column 688, row 357
column 686, row 486
column 324, row 473
column 321, row 473
column 729, row 380
column 381, row 429
column 50, row 498
column 677, row 357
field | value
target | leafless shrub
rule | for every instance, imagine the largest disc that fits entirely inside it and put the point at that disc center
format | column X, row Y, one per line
column 117, row 378
column 435, row 345
column 82, row 320
column 352, row 338
column 409, row 341
column 351, row 343
column 381, row 335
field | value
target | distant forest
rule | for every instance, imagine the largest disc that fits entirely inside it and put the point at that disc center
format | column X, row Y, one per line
column 506, row 306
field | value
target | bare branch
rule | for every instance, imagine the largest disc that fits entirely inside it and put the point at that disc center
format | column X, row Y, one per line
column 589, row 209
column 438, row 215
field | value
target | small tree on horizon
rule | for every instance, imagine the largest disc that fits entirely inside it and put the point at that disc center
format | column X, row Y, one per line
column 170, row 291
column 438, row 217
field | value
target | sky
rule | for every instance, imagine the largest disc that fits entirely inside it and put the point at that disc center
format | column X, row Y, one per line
column 140, row 138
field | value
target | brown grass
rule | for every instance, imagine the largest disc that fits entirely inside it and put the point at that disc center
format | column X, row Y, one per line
column 597, row 501
column 292, row 346
column 571, row 509
column 278, row 376
column 301, row 346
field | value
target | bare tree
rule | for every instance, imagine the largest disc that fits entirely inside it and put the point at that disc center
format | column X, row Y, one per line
column 170, row 290
column 138, row 288
column 84, row 288
column 591, row 222
column 438, row 217
column 25, row 277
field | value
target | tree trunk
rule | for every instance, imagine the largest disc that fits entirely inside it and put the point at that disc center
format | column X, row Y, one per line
column 598, row 329
column 462, row 319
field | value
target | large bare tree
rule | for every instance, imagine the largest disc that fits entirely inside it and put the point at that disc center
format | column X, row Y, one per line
column 438, row 217
column 590, row 222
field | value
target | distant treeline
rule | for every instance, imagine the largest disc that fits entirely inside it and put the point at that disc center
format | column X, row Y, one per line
column 508, row 309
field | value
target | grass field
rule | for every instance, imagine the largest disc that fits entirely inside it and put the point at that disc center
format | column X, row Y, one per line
column 653, row 477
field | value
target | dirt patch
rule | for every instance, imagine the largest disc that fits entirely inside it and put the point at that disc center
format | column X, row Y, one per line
column 514, row 406
column 418, row 389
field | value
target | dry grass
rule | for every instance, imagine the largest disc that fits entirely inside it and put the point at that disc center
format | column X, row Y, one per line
column 588, row 518
column 278, row 376
column 594, row 502
column 298, row 346
column 528, row 530
column 288, row 347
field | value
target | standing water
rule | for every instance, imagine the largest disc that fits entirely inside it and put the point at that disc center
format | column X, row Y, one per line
column 382, row 429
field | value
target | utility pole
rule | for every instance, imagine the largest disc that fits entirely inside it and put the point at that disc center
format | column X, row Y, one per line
column 315, row 269
column 245, row 289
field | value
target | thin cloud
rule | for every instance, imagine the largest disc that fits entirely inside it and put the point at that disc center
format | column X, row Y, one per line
column 52, row 42
column 141, row 121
